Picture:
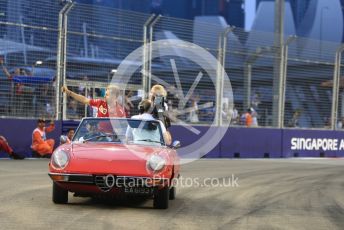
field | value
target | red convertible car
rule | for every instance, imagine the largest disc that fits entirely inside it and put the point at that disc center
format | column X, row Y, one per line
column 114, row 157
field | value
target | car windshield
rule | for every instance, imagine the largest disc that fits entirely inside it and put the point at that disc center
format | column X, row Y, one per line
column 120, row 130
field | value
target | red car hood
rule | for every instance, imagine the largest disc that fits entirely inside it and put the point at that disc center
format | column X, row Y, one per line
column 118, row 159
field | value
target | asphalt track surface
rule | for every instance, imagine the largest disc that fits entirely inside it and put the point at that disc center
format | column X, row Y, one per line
column 271, row 194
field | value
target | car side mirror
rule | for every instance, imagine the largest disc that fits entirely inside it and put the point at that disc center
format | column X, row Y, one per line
column 63, row 139
column 176, row 144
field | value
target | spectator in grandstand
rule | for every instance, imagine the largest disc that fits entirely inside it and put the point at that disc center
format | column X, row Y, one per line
column 67, row 138
column 193, row 115
column 207, row 114
column 255, row 101
column 246, row 118
column 82, row 89
column 107, row 107
column 235, row 119
column 85, row 91
column 23, row 93
column 226, row 113
column 42, row 146
column 157, row 96
column 173, row 97
column 42, row 99
column 17, row 71
column 254, row 115
column 4, row 146
column 72, row 110
column 170, row 104
column 327, row 122
column 128, row 105
column 340, row 123
column 294, row 122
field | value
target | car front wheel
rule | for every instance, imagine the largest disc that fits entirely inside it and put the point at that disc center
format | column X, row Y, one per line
column 172, row 194
column 161, row 198
column 60, row 195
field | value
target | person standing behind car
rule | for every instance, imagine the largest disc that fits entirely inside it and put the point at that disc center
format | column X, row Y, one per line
column 138, row 134
column 157, row 97
column 40, row 144
column 107, row 107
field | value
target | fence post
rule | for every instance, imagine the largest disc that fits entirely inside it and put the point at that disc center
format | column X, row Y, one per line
column 64, row 108
column 145, row 57
column 60, row 59
column 151, row 26
column 278, row 62
column 248, row 80
column 335, row 89
column 22, row 33
column 221, row 62
column 251, row 58
column 285, row 52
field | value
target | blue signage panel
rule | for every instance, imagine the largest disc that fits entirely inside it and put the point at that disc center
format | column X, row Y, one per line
column 313, row 143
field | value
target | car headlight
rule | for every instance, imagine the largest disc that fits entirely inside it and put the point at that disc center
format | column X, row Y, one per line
column 156, row 162
column 60, row 159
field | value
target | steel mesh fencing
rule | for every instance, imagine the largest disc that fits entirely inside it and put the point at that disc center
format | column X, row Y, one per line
column 287, row 85
column 250, row 60
column 98, row 39
column 308, row 102
column 190, row 79
column 29, row 34
column 328, row 85
column 307, row 66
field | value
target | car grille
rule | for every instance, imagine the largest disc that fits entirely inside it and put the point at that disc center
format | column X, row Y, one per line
column 118, row 182
column 81, row 179
column 101, row 184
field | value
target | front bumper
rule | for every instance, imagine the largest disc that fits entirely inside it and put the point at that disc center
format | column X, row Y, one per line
column 107, row 183
column 72, row 178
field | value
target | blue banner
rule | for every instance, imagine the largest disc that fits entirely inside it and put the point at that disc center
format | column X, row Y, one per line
column 33, row 79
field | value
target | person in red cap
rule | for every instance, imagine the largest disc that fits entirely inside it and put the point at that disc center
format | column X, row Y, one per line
column 40, row 144
column 4, row 146
column 107, row 107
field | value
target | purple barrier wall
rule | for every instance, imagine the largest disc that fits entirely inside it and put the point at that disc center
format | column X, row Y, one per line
column 237, row 141
column 19, row 134
column 186, row 137
column 251, row 142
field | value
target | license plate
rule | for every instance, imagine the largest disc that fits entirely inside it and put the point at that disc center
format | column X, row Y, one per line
column 138, row 190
